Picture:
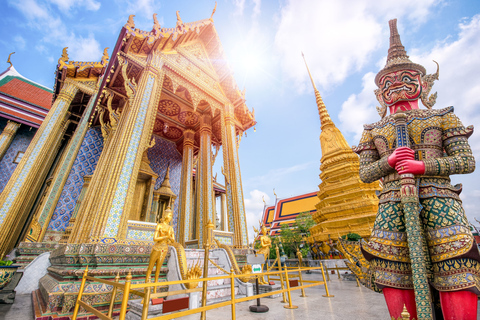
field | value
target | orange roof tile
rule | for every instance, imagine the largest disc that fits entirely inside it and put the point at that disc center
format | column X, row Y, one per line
column 27, row 91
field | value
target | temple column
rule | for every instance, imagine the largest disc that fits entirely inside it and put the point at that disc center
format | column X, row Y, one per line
column 204, row 184
column 223, row 212
column 63, row 169
column 119, row 172
column 22, row 188
column 80, row 230
column 185, row 212
column 154, row 210
column 237, row 222
column 7, row 136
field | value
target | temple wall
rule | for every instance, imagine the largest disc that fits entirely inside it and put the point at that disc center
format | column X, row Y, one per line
column 84, row 165
column 161, row 155
column 22, row 139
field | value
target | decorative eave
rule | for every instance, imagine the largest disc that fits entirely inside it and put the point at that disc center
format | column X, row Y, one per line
column 81, row 69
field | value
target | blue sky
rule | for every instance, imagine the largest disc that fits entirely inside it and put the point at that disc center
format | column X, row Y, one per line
column 345, row 43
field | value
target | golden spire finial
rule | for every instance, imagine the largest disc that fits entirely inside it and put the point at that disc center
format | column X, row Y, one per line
column 322, row 109
column 213, row 12
column 8, row 60
column 179, row 20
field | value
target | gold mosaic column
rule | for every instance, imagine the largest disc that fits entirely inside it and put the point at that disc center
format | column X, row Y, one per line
column 185, row 212
column 7, row 136
column 237, row 222
column 25, row 182
column 126, row 149
column 81, row 229
column 204, row 185
column 223, row 212
column 63, row 169
column 154, row 210
column 73, row 218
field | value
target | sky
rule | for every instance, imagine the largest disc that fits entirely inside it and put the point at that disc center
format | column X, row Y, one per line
column 345, row 43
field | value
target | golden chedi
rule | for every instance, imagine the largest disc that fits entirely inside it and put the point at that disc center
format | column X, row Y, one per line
column 346, row 204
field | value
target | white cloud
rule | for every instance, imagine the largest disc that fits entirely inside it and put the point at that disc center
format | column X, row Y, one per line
column 66, row 5
column 240, row 6
column 19, row 42
column 276, row 175
column 39, row 16
column 84, row 49
column 337, row 37
column 359, row 108
column 254, row 210
column 256, row 8
column 144, row 9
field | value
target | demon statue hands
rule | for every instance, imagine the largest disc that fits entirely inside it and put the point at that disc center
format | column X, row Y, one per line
column 437, row 148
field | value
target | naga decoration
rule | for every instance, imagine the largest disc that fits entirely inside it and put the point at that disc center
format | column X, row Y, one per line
column 245, row 270
column 8, row 60
column 113, row 115
column 421, row 248
column 64, row 58
column 156, row 25
column 130, row 85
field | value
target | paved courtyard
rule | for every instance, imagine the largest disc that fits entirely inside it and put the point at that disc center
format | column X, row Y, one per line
column 350, row 302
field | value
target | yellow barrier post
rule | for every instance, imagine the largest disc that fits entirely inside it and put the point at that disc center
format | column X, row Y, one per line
column 338, row 271
column 300, row 263
column 326, row 286
column 126, row 293
column 281, row 276
column 326, row 271
column 290, row 306
column 232, row 292
column 206, row 256
column 80, row 292
column 358, row 282
column 114, row 293
column 146, row 302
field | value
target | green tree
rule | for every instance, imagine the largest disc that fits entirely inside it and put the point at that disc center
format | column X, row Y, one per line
column 293, row 236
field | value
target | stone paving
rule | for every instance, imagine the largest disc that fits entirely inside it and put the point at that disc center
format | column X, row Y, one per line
column 350, row 303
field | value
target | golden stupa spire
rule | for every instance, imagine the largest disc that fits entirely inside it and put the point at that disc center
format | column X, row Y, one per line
column 322, row 110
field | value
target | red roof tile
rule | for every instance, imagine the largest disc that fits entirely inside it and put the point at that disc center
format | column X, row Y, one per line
column 27, row 91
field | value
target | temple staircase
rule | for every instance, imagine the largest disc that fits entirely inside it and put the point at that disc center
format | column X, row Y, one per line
column 217, row 290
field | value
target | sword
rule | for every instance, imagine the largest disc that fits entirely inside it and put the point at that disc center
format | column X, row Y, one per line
column 420, row 260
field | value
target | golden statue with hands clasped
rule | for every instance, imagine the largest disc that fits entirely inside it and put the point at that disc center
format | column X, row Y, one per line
column 163, row 236
column 265, row 244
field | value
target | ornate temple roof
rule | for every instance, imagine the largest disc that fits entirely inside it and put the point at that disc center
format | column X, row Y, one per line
column 285, row 211
column 23, row 100
column 198, row 80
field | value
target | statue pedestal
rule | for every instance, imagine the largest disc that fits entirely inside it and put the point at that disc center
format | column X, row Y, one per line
column 7, row 294
column 264, row 288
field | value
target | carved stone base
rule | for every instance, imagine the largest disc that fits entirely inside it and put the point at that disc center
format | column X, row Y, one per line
column 58, row 289
column 7, row 294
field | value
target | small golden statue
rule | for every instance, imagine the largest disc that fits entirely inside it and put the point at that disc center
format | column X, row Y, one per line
column 163, row 236
column 265, row 244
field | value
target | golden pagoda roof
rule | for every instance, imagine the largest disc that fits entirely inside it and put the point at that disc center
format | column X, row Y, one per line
column 346, row 203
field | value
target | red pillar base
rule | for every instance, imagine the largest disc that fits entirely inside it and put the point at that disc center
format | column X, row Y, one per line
column 459, row 305
column 397, row 298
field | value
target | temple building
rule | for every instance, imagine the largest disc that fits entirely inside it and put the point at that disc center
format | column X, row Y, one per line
column 121, row 142
column 23, row 107
column 345, row 203
column 285, row 211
